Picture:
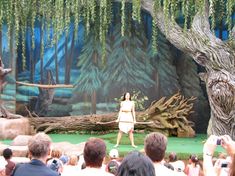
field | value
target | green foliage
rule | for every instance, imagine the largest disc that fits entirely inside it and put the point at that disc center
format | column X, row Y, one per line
column 138, row 98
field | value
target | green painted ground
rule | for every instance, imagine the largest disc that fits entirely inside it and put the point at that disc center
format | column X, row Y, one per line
column 182, row 146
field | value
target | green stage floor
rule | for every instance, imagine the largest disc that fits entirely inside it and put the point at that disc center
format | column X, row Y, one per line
column 182, row 146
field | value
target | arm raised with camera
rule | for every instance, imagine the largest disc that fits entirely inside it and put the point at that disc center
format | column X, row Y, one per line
column 208, row 150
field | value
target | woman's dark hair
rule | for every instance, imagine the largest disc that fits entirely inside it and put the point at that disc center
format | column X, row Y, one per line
column 124, row 96
column 136, row 164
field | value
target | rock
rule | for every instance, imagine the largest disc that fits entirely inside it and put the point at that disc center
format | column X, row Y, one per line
column 10, row 128
column 18, row 151
column 70, row 149
column 2, row 147
column 21, row 140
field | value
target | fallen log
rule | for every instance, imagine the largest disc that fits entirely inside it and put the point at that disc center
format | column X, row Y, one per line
column 167, row 116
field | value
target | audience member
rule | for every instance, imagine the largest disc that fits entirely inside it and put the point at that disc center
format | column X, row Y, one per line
column 112, row 167
column 7, row 154
column 94, row 153
column 39, row 148
column 136, row 164
column 72, row 167
column 64, row 159
column 155, row 148
column 232, row 167
column 113, row 164
column 193, row 168
column 208, row 150
column 178, row 165
column 56, row 165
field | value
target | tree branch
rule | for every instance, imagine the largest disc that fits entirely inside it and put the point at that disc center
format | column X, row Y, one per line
column 50, row 86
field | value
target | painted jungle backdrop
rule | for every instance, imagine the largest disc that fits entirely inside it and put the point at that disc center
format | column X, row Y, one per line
column 95, row 82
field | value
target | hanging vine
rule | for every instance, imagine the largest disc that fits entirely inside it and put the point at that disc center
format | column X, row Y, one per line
column 136, row 10
column 57, row 15
column 212, row 14
column 229, row 7
column 156, row 5
column 123, row 20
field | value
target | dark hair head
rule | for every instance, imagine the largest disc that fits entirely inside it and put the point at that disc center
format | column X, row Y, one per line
column 7, row 153
column 194, row 159
column 136, row 164
column 172, row 157
column 155, row 146
column 112, row 167
column 94, row 152
column 124, row 96
column 39, row 145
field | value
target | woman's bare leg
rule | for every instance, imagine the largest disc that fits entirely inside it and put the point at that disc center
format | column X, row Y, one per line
column 118, row 138
column 131, row 136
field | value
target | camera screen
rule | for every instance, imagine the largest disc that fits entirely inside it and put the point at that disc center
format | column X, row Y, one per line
column 224, row 165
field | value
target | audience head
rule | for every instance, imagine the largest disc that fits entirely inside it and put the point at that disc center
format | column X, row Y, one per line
column 112, row 167
column 94, row 152
column 155, row 146
column 39, row 146
column 113, row 154
column 7, row 153
column 136, row 164
column 64, row 159
column 172, row 157
column 73, row 161
column 194, row 159
column 56, row 153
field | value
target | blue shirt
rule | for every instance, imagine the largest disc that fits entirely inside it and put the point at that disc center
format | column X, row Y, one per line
column 34, row 168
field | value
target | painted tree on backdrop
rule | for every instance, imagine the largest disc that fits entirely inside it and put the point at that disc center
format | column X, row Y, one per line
column 216, row 56
column 90, row 79
column 128, row 67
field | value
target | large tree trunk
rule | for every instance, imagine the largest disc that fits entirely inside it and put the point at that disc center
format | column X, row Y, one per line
column 215, row 55
column 168, row 116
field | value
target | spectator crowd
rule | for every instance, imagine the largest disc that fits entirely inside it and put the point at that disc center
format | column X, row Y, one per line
column 45, row 161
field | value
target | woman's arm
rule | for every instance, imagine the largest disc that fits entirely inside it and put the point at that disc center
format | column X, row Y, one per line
column 133, row 112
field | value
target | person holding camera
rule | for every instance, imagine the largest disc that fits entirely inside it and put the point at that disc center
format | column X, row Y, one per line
column 208, row 150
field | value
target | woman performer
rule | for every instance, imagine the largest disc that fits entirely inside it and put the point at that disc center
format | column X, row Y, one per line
column 126, row 119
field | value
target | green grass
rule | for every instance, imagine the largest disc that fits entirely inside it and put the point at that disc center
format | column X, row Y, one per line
column 182, row 146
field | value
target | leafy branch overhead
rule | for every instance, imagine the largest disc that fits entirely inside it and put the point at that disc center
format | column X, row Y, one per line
column 56, row 15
